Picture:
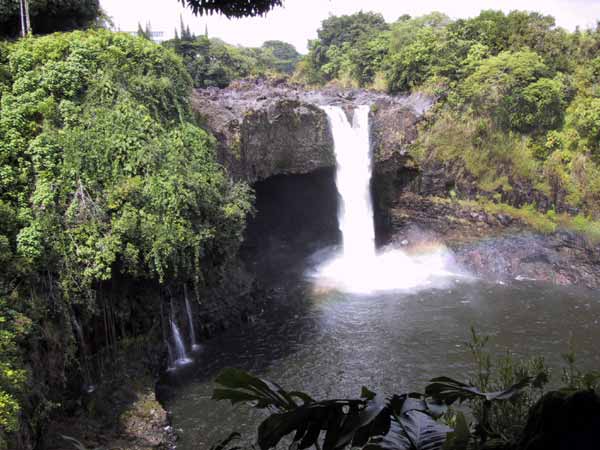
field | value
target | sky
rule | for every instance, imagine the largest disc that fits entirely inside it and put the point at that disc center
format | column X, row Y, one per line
column 298, row 20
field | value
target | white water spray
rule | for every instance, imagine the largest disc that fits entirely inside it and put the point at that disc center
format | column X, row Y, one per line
column 353, row 178
column 188, row 309
column 357, row 267
column 181, row 357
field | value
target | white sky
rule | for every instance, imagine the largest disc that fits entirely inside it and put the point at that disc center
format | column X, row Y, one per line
column 298, row 20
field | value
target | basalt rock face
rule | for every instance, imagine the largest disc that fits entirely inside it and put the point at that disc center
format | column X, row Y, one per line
column 268, row 128
column 494, row 247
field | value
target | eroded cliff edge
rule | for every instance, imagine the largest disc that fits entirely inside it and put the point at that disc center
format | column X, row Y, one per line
column 265, row 129
column 268, row 130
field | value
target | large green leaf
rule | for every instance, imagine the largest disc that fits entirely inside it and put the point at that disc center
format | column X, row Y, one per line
column 240, row 386
column 411, row 430
column 340, row 420
column 403, row 422
column 449, row 390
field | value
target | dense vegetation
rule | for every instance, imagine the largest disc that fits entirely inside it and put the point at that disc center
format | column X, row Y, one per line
column 48, row 15
column 232, row 8
column 103, row 174
column 519, row 105
column 212, row 62
column 105, row 178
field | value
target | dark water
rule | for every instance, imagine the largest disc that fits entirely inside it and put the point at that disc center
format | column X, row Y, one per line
column 330, row 344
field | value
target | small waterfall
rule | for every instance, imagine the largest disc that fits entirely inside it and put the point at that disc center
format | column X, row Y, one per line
column 165, row 338
column 177, row 353
column 188, row 309
column 358, row 267
column 181, row 357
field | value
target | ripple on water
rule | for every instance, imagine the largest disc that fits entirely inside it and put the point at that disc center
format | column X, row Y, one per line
column 389, row 342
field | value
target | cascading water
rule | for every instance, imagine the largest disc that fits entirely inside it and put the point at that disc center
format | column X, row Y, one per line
column 357, row 267
column 353, row 178
column 188, row 308
column 181, row 357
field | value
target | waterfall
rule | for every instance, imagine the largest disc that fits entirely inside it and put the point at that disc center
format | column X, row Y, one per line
column 353, row 179
column 357, row 267
column 165, row 338
column 180, row 353
column 188, row 309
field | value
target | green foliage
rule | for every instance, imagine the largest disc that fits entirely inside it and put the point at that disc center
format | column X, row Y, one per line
column 402, row 422
column 212, row 62
column 584, row 117
column 103, row 174
column 232, row 8
column 286, row 56
column 574, row 378
column 501, row 392
column 423, row 51
column 343, row 43
column 518, row 96
column 500, row 398
column 13, row 328
column 413, row 63
column 336, row 31
column 511, row 89
column 517, row 31
column 48, row 16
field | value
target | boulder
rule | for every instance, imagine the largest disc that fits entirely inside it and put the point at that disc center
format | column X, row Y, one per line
column 563, row 420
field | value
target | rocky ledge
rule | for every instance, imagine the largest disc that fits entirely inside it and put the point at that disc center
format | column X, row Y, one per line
column 267, row 128
column 495, row 246
column 124, row 416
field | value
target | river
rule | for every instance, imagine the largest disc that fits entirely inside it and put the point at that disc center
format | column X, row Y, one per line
column 330, row 344
column 352, row 316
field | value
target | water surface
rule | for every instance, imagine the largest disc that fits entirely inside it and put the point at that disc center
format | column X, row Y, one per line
column 329, row 344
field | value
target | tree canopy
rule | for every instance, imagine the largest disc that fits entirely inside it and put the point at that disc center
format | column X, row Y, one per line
column 103, row 174
column 212, row 62
column 48, row 16
column 232, row 8
column 519, row 95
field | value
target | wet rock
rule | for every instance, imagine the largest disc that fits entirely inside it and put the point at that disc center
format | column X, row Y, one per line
column 265, row 128
column 145, row 424
column 504, row 219
column 563, row 421
column 123, row 416
column 496, row 248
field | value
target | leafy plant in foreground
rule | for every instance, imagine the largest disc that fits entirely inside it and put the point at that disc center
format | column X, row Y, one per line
column 400, row 422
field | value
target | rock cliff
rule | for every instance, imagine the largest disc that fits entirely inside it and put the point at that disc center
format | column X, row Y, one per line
column 268, row 128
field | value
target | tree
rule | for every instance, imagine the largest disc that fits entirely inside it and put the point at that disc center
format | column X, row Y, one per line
column 338, row 34
column 232, row 8
column 48, row 16
column 515, row 90
column 212, row 62
column 584, row 116
column 285, row 55
column 518, row 30
column 104, row 175
column 404, row 31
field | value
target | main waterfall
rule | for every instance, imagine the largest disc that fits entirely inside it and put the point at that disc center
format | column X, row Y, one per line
column 353, row 178
column 357, row 267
